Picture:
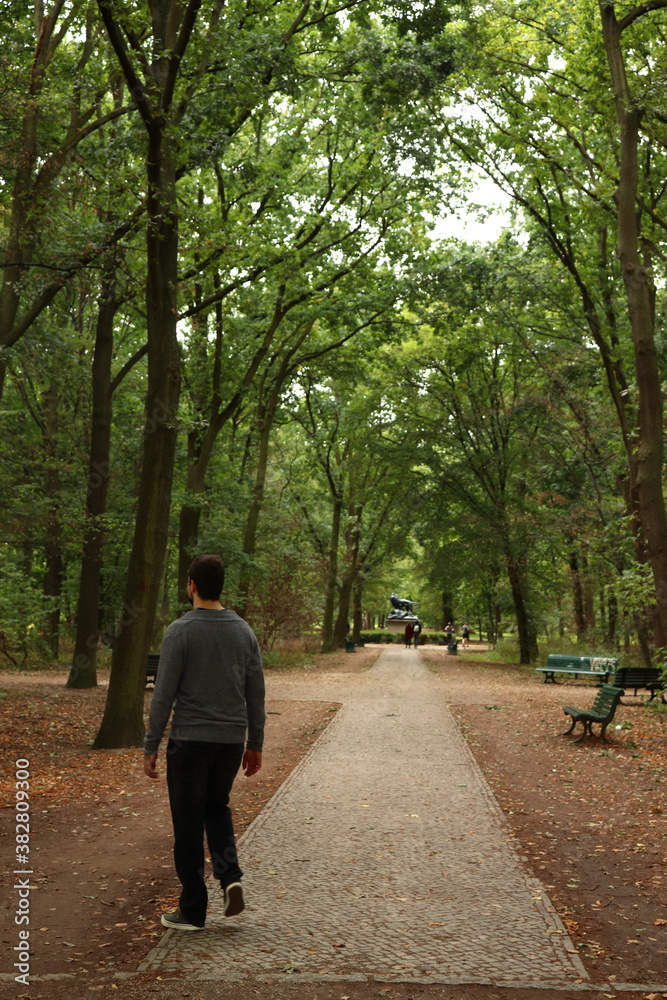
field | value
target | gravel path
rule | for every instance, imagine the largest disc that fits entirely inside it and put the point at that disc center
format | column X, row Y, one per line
column 384, row 856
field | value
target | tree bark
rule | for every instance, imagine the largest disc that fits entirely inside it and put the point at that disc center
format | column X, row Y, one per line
column 266, row 416
column 447, row 609
column 200, row 450
column 357, row 613
column 612, row 621
column 53, row 576
column 526, row 635
column 640, row 294
column 188, row 534
column 577, row 597
column 123, row 723
column 588, row 594
column 83, row 669
column 332, row 575
column 342, row 624
column 352, row 542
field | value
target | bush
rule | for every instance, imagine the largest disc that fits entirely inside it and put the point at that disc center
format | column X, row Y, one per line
column 435, row 639
column 284, row 659
column 378, row 635
column 426, row 638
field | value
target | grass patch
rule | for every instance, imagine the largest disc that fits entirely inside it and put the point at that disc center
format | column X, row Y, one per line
column 507, row 651
column 504, row 651
column 279, row 659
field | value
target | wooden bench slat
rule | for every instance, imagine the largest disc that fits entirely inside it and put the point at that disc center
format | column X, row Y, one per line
column 581, row 666
column 648, row 678
column 152, row 664
column 601, row 712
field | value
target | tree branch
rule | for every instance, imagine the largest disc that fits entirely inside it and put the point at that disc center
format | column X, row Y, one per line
column 638, row 12
column 138, row 91
column 127, row 367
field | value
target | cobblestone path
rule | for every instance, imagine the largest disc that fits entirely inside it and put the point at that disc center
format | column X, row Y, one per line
column 384, row 856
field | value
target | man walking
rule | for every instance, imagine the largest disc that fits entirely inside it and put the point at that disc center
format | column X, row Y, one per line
column 210, row 670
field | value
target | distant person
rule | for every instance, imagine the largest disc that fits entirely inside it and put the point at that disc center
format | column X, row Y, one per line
column 408, row 635
column 465, row 635
column 416, row 632
column 211, row 671
column 449, row 632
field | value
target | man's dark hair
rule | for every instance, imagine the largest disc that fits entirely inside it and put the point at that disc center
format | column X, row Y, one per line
column 208, row 572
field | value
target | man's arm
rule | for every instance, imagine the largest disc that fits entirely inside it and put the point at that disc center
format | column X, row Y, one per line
column 167, row 680
column 252, row 762
column 150, row 769
column 255, row 698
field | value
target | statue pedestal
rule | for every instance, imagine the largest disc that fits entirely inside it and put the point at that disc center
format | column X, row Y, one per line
column 398, row 624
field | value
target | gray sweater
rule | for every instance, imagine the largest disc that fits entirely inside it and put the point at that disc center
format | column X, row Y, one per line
column 211, row 667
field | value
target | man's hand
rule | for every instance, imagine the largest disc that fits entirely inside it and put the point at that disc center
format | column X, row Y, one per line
column 149, row 765
column 252, row 761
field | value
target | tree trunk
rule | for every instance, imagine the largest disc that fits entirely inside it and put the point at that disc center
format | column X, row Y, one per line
column 201, row 449
column 357, row 613
column 188, row 534
column 83, row 669
column 642, row 638
column 352, row 540
column 447, row 610
column 199, row 455
column 577, row 597
column 173, row 24
column 589, row 603
column 612, row 626
column 640, row 294
column 332, row 577
column 266, row 417
column 342, row 625
column 53, row 576
column 527, row 640
column 123, row 723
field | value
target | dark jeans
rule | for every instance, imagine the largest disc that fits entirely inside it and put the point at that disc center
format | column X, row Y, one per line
column 199, row 778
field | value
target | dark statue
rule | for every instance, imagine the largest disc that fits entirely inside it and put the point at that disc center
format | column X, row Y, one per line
column 402, row 608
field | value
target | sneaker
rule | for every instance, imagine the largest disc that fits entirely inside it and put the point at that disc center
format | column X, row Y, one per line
column 234, row 903
column 176, row 921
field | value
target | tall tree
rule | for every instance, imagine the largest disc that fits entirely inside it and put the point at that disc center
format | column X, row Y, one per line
column 635, row 256
column 543, row 131
column 151, row 70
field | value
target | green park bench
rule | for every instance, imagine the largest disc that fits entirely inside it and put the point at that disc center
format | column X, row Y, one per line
column 151, row 667
column 585, row 666
column 601, row 712
column 647, row 678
